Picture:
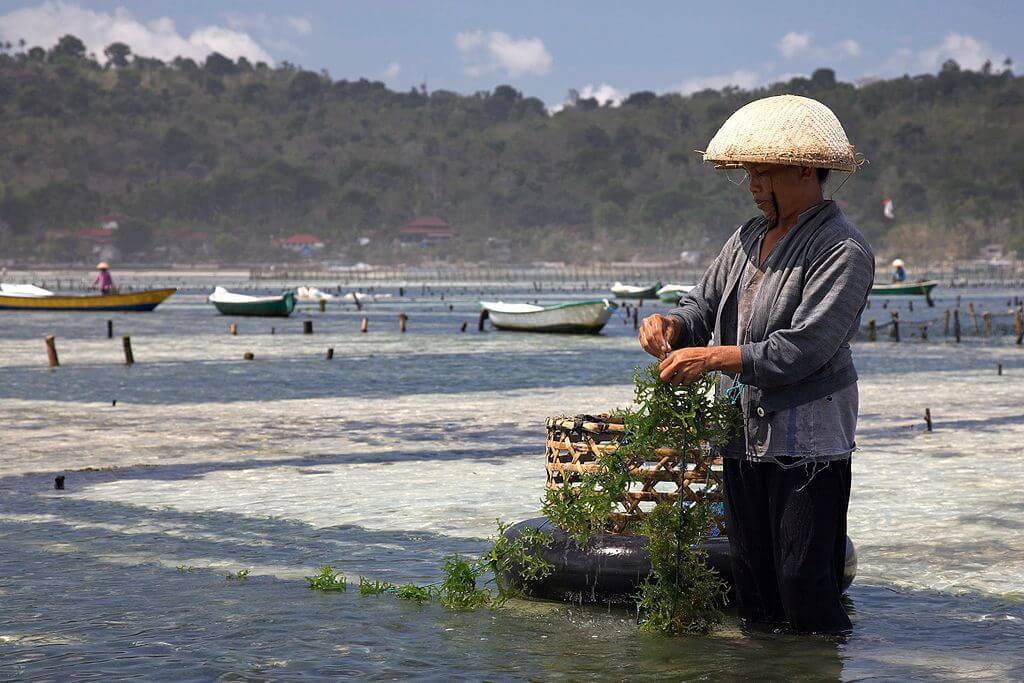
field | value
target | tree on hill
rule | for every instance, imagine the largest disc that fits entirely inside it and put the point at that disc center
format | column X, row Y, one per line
column 117, row 54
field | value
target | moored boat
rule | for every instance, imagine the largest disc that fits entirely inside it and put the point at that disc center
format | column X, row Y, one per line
column 312, row 294
column 580, row 317
column 23, row 290
column 671, row 294
column 922, row 288
column 230, row 303
column 145, row 300
column 622, row 291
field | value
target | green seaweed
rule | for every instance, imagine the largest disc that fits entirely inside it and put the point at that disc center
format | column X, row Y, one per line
column 240, row 575
column 370, row 587
column 327, row 580
column 410, row 591
column 682, row 595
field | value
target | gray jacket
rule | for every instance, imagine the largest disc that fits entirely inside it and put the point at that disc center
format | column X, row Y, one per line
column 815, row 286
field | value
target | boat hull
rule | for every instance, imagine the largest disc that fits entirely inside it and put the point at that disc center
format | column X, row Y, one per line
column 649, row 293
column 584, row 318
column 278, row 308
column 135, row 301
column 904, row 289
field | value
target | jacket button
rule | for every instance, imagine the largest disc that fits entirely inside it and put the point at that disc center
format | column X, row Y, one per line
column 760, row 411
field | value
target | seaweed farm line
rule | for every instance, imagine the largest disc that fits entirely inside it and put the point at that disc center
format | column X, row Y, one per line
column 402, row 448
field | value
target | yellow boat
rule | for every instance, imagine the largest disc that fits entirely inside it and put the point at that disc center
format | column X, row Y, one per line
column 135, row 301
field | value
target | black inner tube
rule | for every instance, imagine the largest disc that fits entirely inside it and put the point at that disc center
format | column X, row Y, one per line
column 610, row 568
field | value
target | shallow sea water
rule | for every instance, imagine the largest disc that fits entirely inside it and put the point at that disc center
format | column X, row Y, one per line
column 405, row 448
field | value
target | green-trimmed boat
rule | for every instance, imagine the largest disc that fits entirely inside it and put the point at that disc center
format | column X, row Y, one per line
column 671, row 294
column 622, row 291
column 578, row 317
column 922, row 288
column 230, row 303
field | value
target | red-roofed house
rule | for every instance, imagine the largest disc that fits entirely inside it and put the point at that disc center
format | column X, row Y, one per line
column 301, row 242
column 424, row 231
column 97, row 235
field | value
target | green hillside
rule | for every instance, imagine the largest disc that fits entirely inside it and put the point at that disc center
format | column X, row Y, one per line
column 212, row 160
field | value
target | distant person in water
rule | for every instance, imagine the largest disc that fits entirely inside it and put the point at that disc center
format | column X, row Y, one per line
column 103, row 279
column 899, row 273
column 774, row 315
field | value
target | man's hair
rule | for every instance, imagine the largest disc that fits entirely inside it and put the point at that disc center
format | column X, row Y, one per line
column 823, row 175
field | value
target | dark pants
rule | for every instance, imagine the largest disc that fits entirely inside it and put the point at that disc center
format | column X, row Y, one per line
column 787, row 535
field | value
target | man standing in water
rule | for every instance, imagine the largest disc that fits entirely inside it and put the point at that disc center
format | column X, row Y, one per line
column 775, row 314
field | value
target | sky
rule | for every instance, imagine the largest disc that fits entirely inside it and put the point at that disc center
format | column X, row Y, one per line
column 545, row 48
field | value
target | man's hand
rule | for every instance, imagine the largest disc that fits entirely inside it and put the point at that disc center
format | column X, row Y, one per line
column 657, row 334
column 685, row 365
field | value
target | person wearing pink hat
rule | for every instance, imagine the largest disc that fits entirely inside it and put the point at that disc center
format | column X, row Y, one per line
column 103, row 279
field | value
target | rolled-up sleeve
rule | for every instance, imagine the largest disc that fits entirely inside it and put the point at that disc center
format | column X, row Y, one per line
column 698, row 309
column 836, row 285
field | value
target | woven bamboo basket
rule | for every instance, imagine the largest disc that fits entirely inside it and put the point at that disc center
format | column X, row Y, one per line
column 574, row 445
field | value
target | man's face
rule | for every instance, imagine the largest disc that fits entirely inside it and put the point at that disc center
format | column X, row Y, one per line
column 771, row 185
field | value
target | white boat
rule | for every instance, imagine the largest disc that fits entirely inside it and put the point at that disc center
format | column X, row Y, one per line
column 363, row 297
column 231, row 303
column 312, row 294
column 622, row 291
column 23, row 290
column 587, row 317
column 671, row 294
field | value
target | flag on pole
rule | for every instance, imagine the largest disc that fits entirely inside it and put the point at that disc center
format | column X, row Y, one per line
column 887, row 208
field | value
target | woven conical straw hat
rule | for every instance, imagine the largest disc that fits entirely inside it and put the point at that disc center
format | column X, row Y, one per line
column 787, row 129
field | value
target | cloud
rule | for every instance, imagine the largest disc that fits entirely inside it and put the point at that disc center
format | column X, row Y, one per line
column 968, row 51
column 794, row 43
column 485, row 52
column 300, row 25
column 394, row 68
column 740, row 78
column 850, row 47
column 604, row 94
column 44, row 24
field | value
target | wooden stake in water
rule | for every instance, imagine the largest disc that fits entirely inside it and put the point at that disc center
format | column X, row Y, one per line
column 364, row 325
column 51, row 352
column 928, row 419
column 323, row 305
column 987, row 319
column 894, row 333
column 307, row 327
column 974, row 316
column 945, row 329
column 484, row 315
column 872, row 334
column 110, row 329
column 464, row 326
column 1018, row 324
column 924, row 331
column 956, row 324
column 330, row 353
column 403, row 320
column 233, row 328
column 129, row 357
column 248, row 355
